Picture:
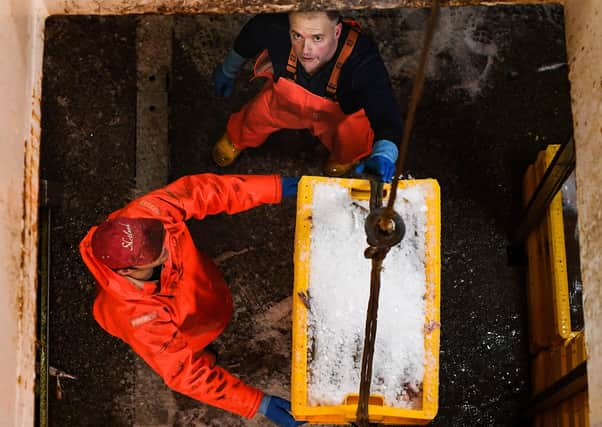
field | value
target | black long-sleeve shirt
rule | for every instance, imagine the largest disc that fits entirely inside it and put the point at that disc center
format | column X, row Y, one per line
column 363, row 82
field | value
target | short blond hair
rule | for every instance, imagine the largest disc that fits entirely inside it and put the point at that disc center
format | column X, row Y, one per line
column 333, row 15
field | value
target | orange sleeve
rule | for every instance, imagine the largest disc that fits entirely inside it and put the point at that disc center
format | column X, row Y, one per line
column 196, row 196
column 161, row 346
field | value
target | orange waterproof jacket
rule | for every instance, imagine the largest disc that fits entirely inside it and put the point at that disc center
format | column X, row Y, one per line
column 170, row 324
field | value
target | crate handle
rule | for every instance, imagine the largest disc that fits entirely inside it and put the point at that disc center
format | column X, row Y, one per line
column 364, row 193
column 353, row 399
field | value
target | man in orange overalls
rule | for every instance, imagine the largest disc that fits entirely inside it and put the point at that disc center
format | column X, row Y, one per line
column 166, row 299
column 324, row 75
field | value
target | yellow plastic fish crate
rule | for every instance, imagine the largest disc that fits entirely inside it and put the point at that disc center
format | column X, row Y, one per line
column 557, row 361
column 547, row 280
column 345, row 412
column 571, row 412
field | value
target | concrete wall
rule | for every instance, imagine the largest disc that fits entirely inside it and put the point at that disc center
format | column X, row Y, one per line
column 250, row 6
column 20, row 69
column 584, row 36
column 21, row 35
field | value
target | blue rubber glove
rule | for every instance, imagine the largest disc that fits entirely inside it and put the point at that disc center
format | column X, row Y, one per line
column 278, row 410
column 226, row 72
column 289, row 185
column 223, row 85
column 381, row 161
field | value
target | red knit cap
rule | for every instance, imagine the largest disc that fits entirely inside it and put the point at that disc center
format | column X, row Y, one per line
column 128, row 242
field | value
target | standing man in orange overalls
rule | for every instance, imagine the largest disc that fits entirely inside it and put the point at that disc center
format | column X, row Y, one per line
column 324, row 75
column 168, row 300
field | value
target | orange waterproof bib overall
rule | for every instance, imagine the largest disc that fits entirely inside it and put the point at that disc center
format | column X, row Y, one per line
column 286, row 105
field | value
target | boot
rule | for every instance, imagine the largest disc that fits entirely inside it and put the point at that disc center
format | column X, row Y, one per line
column 224, row 153
column 336, row 169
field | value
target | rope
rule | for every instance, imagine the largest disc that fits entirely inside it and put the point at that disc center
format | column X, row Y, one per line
column 378, row 254
column 370, row 337
column 414, row 100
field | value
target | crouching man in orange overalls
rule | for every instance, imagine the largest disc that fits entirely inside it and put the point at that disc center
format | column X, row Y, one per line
column 166, row 299
column 324, row 75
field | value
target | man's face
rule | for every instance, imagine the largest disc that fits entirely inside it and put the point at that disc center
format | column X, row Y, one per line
column 314, row 38
column 144, row 272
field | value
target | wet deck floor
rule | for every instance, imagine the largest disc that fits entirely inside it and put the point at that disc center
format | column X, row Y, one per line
column 486, row 111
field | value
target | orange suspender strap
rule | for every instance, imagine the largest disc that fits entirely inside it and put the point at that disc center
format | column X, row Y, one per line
column 331, row 88
column 291, row 66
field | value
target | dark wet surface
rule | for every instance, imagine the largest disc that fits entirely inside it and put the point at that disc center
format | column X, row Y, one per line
column 486, row 111
column 88, row 134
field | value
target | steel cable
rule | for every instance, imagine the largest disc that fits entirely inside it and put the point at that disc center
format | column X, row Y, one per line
column 378, row 254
